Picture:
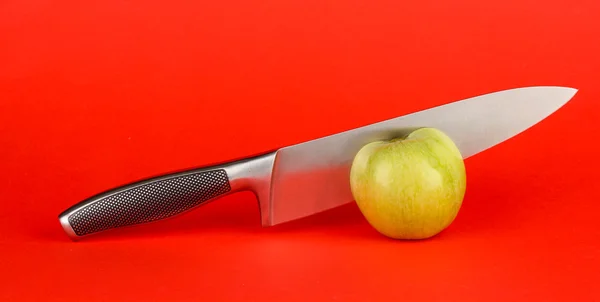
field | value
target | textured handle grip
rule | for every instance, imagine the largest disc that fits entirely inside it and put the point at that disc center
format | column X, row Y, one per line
column 146, row 201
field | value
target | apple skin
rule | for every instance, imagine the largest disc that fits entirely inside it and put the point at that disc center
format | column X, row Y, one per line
column 410, row 187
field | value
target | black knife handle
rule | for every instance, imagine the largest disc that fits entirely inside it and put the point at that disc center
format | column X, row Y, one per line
column 166, row 196
column 145, row 201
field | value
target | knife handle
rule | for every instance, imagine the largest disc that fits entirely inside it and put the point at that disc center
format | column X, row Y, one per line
column 169, row 195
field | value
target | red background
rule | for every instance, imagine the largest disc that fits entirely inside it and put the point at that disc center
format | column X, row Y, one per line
column 100, row 93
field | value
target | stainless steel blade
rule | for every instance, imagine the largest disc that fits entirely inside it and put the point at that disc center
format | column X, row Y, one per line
column 314, row 176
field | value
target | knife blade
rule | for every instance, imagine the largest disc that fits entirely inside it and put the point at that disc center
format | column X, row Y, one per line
column 307, row 178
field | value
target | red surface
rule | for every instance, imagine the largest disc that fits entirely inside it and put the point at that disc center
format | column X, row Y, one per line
column 94, row 94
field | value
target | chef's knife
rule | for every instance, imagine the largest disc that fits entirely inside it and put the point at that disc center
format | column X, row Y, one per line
column 310, row 177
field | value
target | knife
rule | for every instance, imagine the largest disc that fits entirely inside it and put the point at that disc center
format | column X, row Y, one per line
column 310, row 177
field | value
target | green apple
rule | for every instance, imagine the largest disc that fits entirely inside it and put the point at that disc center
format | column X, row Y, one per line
column 410, row 187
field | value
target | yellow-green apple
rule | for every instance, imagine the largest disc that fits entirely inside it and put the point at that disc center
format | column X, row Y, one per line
column 409, row 187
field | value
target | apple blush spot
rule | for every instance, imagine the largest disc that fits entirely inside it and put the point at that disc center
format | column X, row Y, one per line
column 410, row 187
